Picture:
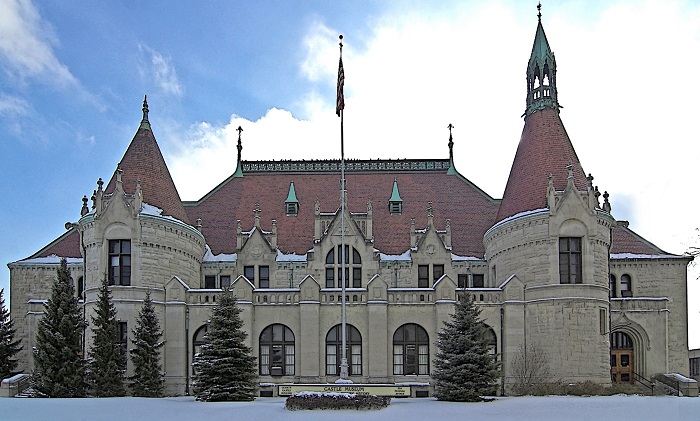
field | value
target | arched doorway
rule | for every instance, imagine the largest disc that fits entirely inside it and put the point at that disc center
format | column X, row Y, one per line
column 621, row 358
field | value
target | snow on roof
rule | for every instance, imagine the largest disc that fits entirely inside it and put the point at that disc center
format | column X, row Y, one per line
column 403, row 257
column 147, row 209
column 457, row 258
column 223, row 257
column 645, row 256
column 291, row 257
column 53, row 259
column 519, row 215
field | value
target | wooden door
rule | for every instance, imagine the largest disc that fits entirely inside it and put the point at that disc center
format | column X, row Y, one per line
column 621, row 365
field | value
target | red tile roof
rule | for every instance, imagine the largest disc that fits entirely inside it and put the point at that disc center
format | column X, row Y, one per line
column 67, row 245
column 144, row 161
column 470, row 210
column 627, row 241
column 544, row 149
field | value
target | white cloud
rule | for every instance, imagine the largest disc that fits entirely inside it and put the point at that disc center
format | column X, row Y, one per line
column 160, row 70
column 12, row 106
column 26, row 45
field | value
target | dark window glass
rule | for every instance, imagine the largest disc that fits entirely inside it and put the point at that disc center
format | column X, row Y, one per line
column 334, row 350
column 330, row 277
column 276, row 351
column 570, row 260
column 478, row 280
column 122, row 338
column 210, row 282
column 249, row 272
column 462, row 280
column 119, row 262
column 264, row 276
column 423, row 276
column 225, row 281
column 626, row 285
column 620, row 340
column 411, row 350
column 357, row 277
column 334, row 274
column 613, row 286
column 438, row 271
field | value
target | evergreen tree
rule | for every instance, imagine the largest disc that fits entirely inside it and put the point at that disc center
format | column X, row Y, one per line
column 225, row 370
column 58, row 360
column 464, row 370
column 106, row 363
column 8, row 346
column 147, row 380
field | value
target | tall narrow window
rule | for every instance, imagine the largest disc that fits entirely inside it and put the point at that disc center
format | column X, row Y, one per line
column 570, row 260
column 626, row 285
column 249, row 273
column 438, row 271
column 122, row 338
column 277, row 351
column 477, row 280
column 119, row 262
column 492, row 341
column 423, row 276
column 81, row 288
column 334, row 350
column 411, row 350
column 264, row 276
column 613, row 286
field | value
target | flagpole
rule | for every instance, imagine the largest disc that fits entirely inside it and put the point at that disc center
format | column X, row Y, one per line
column 340, row 105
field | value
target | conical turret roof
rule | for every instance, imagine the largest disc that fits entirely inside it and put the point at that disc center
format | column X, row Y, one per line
column 144, row 161
column 544, row 149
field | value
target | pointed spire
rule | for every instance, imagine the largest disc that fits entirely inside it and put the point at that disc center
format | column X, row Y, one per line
column 450, row 144
column 291, row 204
column 145, row 124
column 395, row 201
column 541, row 73
column 239, row 168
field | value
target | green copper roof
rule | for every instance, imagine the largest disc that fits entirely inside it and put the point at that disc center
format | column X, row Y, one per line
column 395, row 197
column 145, row 124
column 292, row 196
column 541, row 75
column 541, row 53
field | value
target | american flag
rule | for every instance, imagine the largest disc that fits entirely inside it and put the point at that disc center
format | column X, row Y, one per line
column 340, row 101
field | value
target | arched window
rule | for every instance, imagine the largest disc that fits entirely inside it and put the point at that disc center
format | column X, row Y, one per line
column 492, row 341
column 198, row 339
column 277, row 351
column 625, row 285
column 411, row 350
column 333, row 268
column 613, row 286
column 334, row 350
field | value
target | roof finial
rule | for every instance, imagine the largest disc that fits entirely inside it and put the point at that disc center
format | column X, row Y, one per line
column 450, row 144
column 239, row 167
column 145, row 124
column 539, row 12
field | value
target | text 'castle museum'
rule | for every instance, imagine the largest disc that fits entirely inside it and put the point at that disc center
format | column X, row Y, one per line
column 548, row 263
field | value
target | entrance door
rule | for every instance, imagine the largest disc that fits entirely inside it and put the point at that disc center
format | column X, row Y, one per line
column 621, row 365
column 621, row 358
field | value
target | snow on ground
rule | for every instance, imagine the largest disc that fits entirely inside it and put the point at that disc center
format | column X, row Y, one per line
column 666, row 408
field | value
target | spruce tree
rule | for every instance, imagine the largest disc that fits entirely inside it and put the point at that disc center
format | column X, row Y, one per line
column 58, row 361
column 8, row 346
column 464, row 370
column 147, row 380
column 106, row 364
column 225, row 370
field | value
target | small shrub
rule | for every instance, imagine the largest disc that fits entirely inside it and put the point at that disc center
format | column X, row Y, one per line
column 314, row 400
column 586, row 388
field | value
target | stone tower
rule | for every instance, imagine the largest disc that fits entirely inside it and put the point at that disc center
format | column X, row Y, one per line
column 553, row 236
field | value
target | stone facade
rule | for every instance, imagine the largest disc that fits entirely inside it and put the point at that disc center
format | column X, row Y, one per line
column 549, row 266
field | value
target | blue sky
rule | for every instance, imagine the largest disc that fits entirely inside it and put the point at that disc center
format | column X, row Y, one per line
column 73, row 75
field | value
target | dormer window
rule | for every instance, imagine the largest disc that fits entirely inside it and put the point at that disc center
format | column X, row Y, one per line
column 395, row 202
column 291, row 205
